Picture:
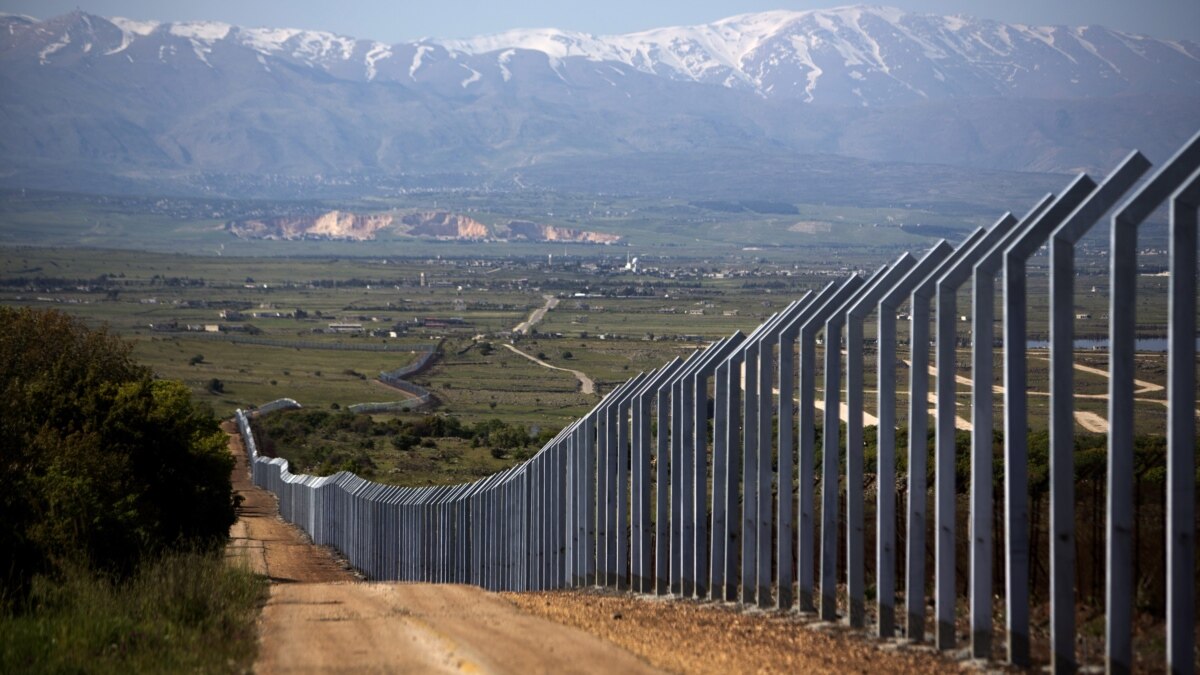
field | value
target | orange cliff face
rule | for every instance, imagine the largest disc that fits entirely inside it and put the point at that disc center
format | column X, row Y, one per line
column 339, row 225
column 346, row 226
column 521, row 229
column 445, row 225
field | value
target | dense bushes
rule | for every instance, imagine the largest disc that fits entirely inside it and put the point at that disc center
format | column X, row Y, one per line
column 323, row 442
column 103, row 466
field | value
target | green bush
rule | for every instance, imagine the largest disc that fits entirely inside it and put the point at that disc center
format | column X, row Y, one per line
column 104, row 465
column 184, row 612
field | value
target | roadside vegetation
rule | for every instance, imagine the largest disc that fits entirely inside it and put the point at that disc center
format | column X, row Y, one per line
column 116, row 508
column 421, row 450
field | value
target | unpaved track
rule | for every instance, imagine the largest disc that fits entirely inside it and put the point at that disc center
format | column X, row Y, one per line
column 536, row 316
column 261, row 540
column 422, row 628
column 319, row 619
column 586, row 384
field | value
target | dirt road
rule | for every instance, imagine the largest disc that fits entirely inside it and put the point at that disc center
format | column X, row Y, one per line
column 536, row 316
column 264, row 542
column 422, row 628
column 320, row 619
column 586, row 384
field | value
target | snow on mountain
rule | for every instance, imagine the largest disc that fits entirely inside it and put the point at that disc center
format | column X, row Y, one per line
column 872, row 83
column 875, row 54
column 857, row 55
column 207, row 31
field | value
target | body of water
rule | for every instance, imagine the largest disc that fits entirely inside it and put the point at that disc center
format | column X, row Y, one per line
column 1157, row 344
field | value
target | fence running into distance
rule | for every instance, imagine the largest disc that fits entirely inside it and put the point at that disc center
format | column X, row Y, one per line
column 580, row 512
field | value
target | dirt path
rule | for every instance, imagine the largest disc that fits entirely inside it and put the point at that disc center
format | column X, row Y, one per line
column 536, row 316
column 264, row 542
column 1091, row 421
column 420, row 628
column 586, row 384
column 320, row 619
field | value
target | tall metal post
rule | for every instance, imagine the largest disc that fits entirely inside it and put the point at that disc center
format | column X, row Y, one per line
column 885, row 546
column 622, row 457
column 1181, row 438
column 831, row 446
column 946, row 405
column 1122, row 296
column 918, row 442
column 805, row 328
column 787, row 545
column 750, row 494
column 720, row 471
column 700, row 374
column 1062, row 399
column 856, row 312
column 785, row 503
column 730, row 541
column 662, row 538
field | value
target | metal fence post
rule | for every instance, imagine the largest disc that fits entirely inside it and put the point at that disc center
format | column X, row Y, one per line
column 885, row 471
column 946, row 406
column 1181, row 439
column 805, row 328
column 831, row 446
column 918, row 441
column 730, row 539
column 1122, row 335
column 1062, row 400
column 855, row 500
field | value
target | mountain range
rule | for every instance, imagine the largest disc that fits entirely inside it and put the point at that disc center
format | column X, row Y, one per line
column 103, row 103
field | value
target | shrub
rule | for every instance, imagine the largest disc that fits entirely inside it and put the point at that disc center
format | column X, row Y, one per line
column 105, row 465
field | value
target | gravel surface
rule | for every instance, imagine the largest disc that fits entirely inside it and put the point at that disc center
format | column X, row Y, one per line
column 693, row 637
column 422, row 628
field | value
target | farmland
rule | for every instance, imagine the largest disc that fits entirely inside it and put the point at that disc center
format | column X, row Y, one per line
column 241, row 331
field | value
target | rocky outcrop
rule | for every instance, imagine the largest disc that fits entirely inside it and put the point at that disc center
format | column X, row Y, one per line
column 446, row 225
column 523, row 229
column 339, row 225
column 346, row 226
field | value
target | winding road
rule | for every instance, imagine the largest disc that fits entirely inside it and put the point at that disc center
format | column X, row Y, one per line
column 586, row 384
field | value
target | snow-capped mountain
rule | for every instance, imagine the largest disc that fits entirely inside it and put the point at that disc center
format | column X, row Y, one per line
column 850, row 55
column 871, row 82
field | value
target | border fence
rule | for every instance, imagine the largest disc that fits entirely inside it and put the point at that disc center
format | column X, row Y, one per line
column 659, row 489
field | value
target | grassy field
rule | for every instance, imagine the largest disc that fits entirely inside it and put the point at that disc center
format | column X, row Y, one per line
column 609, row 323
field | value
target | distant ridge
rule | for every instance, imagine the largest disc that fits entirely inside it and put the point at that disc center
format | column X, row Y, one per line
column 117, row 97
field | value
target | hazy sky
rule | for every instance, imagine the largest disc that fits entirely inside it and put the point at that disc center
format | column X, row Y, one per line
column 401, row 20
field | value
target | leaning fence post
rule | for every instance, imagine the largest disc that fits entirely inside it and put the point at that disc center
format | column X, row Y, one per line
column 1062, row 400
column 1181, row 439
column 855, row 500
column 831, row 446
column 1122, row 334
column 885, row 520
column 946, row 405
column 918, row 441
